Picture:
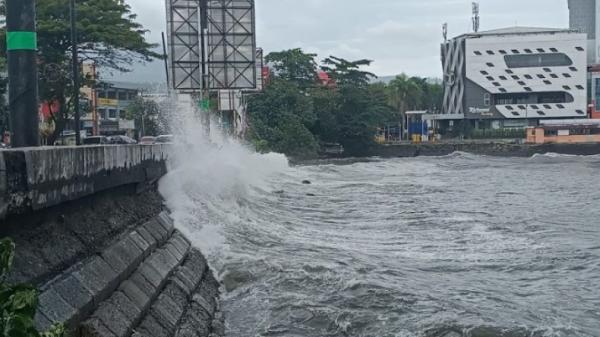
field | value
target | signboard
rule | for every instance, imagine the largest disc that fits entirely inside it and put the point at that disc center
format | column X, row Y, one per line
column 563, row 132
column 108, row 102
column 211, row 43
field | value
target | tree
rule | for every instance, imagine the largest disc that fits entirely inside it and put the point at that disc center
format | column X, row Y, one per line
column 280, row 119
column 146, row 114
column 295, row 66
column 108, row 35
column 346, row 73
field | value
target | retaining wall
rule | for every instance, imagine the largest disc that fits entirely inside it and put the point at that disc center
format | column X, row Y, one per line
column 36, row 178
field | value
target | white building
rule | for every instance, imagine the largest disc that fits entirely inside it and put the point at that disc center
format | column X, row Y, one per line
column 515, row 75
column 584, row 16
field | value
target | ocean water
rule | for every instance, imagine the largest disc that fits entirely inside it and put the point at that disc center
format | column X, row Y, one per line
column 460, row 245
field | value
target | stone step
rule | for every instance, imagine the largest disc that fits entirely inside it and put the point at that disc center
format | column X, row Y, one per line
column 74, row 294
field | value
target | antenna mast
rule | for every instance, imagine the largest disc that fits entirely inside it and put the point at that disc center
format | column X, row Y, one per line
column 445, row 31
column 476, row 20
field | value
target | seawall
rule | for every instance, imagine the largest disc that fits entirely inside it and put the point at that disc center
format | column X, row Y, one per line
column 93, row 235
column 489, row 149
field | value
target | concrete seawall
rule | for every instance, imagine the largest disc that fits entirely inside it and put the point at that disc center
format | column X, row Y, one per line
column 490, row 149
column 93, row 235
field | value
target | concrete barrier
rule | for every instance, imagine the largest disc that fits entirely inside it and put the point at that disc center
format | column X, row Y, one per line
column 36, row 178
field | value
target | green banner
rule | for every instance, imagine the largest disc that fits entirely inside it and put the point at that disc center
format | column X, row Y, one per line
column 21, row 41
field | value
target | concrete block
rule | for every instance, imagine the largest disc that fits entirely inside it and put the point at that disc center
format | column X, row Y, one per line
column 98, row 277
column 140, row 242
column 113, row 258
column 153, row 276
column 167, row 312
column 132, row 313
column 76, row 294
column 199, row 319
column 196, row 262
column 129, row 253
column 173, row 253
column 151, row 327
column 191, row 276
column 113, row 319
column 143, row 284
column 55, row 308
column 93, row 327
column 165, row 220
column 183, row 283
column 149, row 238
column 162, row 262
column 205, row 304
column 157, row 230
column 136, row 295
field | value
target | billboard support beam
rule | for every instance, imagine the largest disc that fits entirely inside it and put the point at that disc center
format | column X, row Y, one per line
column 21, row 49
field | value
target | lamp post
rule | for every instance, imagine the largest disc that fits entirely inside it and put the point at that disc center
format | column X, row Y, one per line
column 21, row 46
column 75, row 73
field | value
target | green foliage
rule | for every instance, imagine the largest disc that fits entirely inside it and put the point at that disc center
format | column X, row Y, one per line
column 18, row 302
column 146, row 114
column 294, row 66
column 107, row 35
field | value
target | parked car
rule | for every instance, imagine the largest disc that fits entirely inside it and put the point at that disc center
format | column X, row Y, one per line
column 148, row 140
column 164, row 139
column 95, row 140
column 121, row 140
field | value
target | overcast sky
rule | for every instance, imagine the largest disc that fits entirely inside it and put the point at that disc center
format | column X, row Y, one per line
column 398, row 35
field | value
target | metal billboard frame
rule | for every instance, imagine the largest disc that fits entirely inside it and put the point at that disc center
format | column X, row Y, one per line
column 212, row 44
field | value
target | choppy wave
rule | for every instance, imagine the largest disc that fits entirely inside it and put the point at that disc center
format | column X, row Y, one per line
column 421, row 247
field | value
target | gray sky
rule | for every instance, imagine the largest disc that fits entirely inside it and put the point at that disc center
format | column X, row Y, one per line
column 399, row 35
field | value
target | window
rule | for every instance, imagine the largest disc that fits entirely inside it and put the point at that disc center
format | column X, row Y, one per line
column 546, row 106
column 528, row 89
column 580, row 112
column 502, row 89
column 483, row 72
column 553, row 75
column 515, row 77
column 487, row 99
column 541, row 50
column 102, row 113
column 515, row 113
column 541, row 76
column 567, row 75
column 112, row 95
column 490, row 52
column 566, row 87
column 538, row 60
column 529, row 77
column 490, row 78
column 477, row 52
column 122, row 114
column 541, row 113
column 490, row 64
column 132, row 96
column 502, row 78
column 580, row 87
column 554, row 97
column 554, row 50
column 548, row 70
column 528, row 51
column 522, row 107
column 503, row 52
column 547, row 82
column 521, row 83
column 508, row 71
column 496, row 84
column 597, row 94
column 122, row 96
column 509, row 107
column 573, row 68
column 112, row 113
column 102, row 94
column 560, row 106
column 533, row 106
column 580, row 48
column 514, row 51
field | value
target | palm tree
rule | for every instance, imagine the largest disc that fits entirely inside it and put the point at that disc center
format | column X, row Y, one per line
column 405, row 94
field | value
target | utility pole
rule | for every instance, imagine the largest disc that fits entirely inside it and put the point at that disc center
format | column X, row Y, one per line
column 204, row 96
column 75, row 73
column 21, row 46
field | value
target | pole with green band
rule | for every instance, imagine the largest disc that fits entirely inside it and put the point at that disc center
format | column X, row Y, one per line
column 21, row 46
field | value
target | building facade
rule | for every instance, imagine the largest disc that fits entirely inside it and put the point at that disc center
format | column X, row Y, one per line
column 584, row 16
column 516, row 76
column 112, row 100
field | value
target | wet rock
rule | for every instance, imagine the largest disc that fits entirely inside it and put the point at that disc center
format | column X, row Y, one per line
column 306, row 182
column 310, row 195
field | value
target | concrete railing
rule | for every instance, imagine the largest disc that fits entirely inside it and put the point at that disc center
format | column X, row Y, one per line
column 36, row 178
